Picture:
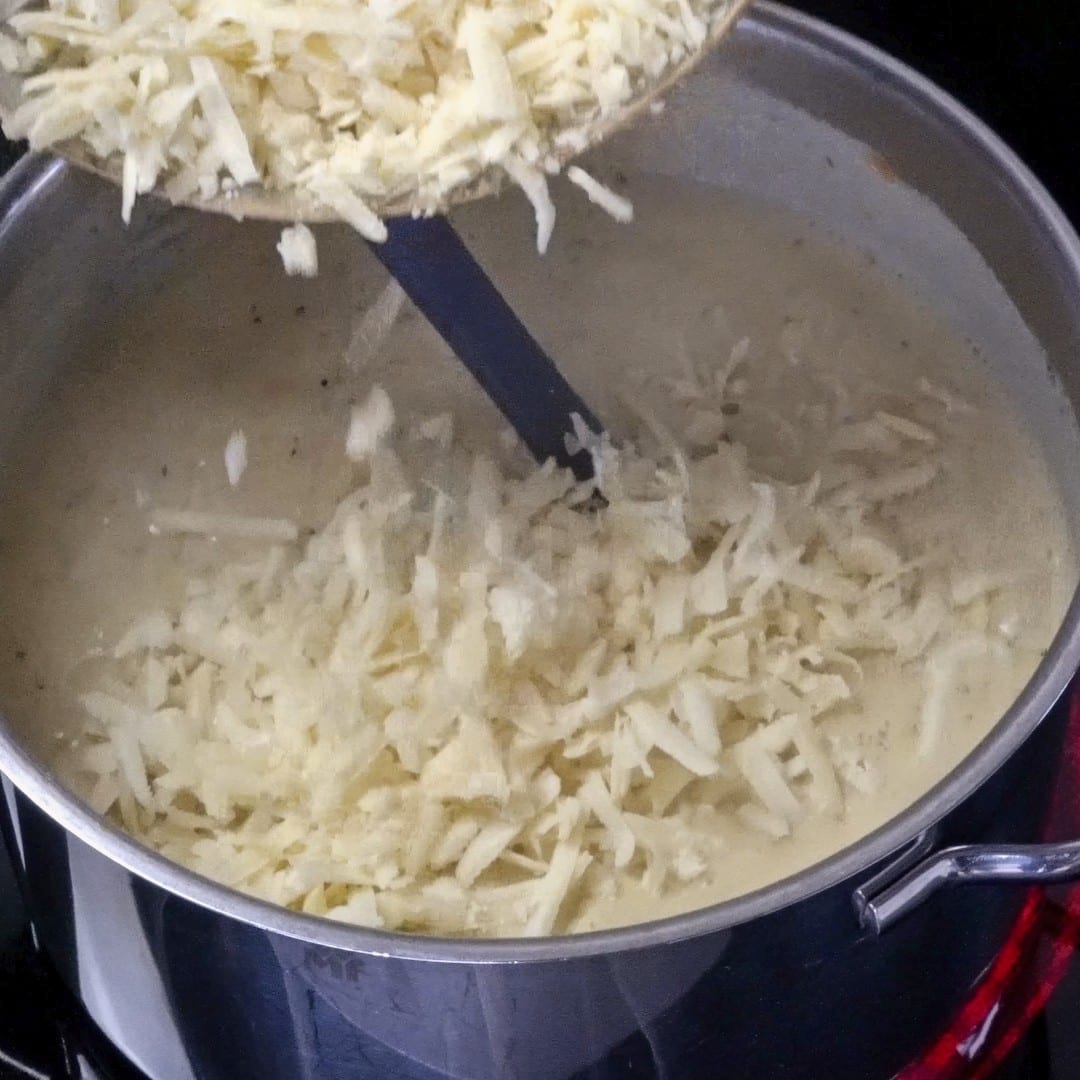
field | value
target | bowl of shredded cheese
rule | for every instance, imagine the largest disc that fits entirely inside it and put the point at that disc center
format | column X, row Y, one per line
column 326, row 109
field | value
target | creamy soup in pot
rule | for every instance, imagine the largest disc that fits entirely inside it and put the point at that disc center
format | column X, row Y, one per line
column 863, row 469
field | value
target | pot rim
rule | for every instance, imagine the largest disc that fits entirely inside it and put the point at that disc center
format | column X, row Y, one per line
column 1037, row 698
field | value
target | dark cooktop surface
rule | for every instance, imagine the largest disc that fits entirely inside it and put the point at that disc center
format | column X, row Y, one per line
column 1020, row 71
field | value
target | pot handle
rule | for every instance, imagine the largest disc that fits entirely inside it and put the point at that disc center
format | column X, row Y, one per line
column 916, row 875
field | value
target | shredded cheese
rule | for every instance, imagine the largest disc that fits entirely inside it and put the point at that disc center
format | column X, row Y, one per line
column 298, row 251
column 236, row 457
column 619, row 208
column 343, row 104
column 374, row 326
column 369, row 424
column 199, row 523
column 476, row 707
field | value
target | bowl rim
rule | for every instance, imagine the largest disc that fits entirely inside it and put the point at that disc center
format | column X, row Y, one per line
column 1049, row 681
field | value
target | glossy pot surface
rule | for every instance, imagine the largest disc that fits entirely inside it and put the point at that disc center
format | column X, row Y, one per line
column 190, row 979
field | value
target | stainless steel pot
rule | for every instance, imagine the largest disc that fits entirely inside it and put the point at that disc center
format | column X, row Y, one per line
column 190, row 979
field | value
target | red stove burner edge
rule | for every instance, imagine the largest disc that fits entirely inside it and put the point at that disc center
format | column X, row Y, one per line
column 1031, row 964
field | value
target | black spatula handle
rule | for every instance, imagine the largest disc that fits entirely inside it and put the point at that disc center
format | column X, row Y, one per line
column 445, row 282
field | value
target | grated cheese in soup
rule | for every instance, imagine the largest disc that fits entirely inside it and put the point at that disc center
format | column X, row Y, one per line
column 426, row 688
column 467, row 709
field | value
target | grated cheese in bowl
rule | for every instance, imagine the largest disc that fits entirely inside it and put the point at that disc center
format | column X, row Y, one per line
column 472, row 703
column 345, row 105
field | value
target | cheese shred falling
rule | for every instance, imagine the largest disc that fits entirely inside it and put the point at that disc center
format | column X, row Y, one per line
column 477, row 706
column 343, row 104
column 298, row 251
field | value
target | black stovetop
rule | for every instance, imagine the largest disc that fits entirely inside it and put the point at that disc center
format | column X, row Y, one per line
column 1021, row 74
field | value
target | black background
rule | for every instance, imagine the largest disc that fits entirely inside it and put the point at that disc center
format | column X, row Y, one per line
column 1015, row 64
